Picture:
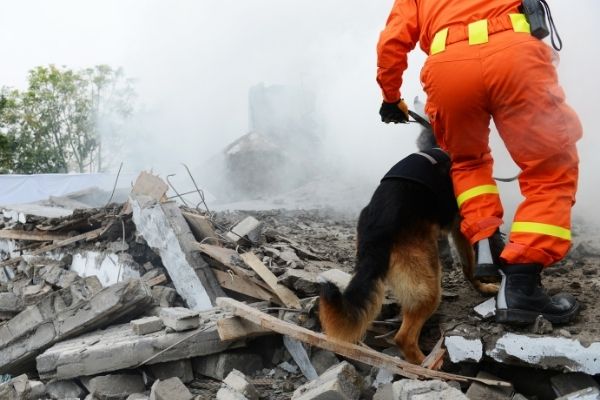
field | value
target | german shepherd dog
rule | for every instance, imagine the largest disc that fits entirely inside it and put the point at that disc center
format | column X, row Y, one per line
column 397, row 245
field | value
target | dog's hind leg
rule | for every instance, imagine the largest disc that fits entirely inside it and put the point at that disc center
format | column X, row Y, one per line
column 467, row 260
column 415, row 279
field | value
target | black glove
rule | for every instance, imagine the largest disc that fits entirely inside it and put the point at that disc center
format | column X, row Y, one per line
column 394, row 112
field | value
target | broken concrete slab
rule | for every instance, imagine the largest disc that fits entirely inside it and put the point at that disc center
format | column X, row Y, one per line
column 181, row 369
column 57, row 276
column 341, row 381
column 218, row 366
column 480, row 391
column 10, row 303
column 238, row 382
column 546, row 352
column 487, row 309
column 249, row 228
column 146, row 325
column 179, row 318
column 115, row 387
column 21, row 388
column 165, row 230
column 170, row 389
column 67, row 389
column 54, row 318
column 426, row 390
column 119, row 348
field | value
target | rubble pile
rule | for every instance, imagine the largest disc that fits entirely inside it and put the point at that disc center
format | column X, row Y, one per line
column 148, row 299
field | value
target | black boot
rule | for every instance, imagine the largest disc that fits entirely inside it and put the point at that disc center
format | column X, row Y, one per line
column 487, row 256
column 522, row 298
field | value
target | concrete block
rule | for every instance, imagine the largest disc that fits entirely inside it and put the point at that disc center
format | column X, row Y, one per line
column 487, row 309
column 249, row 228
column 239, row 383
column 57, row 276
column 181, row 369
column 34, row 293
column 322, row 360
column 146, row 325
column 218, row 366
column 179, row 318
column 411, row 389
column 116, row 387
column 384, row 392
column 21, row 388
column 463, row 349
column 170, row 389
column 117, row 348
column 64, row 389
column 10, row 302
column 340, row 382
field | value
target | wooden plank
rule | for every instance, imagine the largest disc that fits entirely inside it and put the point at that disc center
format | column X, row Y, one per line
column 346, row 349
column 435, row 358
column 157, row 280
column 84, row 236
column 244, row 286
column 235, row 328
column 31, row 235
column 201, row 227
column 288, row 297
column 149, row 185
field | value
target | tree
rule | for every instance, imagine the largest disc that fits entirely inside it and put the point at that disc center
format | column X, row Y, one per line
column 54, row 125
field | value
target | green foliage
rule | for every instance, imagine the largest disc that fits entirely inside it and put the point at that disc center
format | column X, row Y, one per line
column 55, row 124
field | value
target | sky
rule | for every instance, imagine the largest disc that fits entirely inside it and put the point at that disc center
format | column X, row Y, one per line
column 195, row 60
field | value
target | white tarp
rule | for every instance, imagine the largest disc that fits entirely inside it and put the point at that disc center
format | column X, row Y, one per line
column 19, row 189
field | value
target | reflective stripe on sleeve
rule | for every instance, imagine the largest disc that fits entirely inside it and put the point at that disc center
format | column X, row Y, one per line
column 476, row 191
column 542, row 229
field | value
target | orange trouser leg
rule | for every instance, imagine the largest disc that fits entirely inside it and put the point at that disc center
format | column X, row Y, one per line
column 540, row 131
column 458, row 109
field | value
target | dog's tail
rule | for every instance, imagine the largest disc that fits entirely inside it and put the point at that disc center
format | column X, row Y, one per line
column 347, row 315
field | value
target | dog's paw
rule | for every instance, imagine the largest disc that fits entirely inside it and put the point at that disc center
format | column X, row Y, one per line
column 486, row 288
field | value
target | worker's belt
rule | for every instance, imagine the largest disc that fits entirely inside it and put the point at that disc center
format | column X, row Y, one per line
column 477, row 32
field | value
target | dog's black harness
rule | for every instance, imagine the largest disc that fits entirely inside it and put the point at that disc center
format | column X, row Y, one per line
column 422, row 168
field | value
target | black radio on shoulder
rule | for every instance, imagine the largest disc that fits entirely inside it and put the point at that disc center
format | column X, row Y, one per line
column 536, row 16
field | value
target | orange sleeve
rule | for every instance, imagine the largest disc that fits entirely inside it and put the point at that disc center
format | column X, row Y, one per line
column 400, row 36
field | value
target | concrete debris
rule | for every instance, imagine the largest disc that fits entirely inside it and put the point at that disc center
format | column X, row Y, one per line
column 304, row 283
column 181, row 369
column 341, row 381
column 218, row 366
column 300, row 356
column 164, row 296
column 564, row 384
column 410, row 389
column 462, row 349
column 487, row 309
column 119, row 348
column 591, row 393
column 480, row 391
column 322, row 360
column 240, row 384
column 163, row 227
column 10, row 303
column 146, row 325
column 541, row 326
column 67, row 389
column 179, row 318
column 21, row 388
column 115, row 387
column 249, row 228
column 170, row 389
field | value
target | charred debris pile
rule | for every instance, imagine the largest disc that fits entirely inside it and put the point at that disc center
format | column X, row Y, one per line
column 152, row 300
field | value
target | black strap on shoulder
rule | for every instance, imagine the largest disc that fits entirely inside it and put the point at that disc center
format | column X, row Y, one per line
column 553, row 30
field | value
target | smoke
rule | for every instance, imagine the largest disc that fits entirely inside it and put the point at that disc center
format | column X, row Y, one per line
column 195, row 61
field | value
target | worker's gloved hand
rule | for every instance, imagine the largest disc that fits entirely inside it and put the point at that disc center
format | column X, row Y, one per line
column 394, row 112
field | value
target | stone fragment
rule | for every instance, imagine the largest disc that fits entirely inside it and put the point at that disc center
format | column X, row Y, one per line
column 238, row 382
column 384, row 392
column 340, row 382
column 487, row 309
column 170, row 389
column 164, row 296
column 227, row 393
column 218, row 366
column 21, row 388
column 411, row 389
column 66, row 389
column 115, row 387
column 146, row 325
column 179, row 318
column 137, row 396
column 591, row 393
column 181, row 369
column 541, row 326
column 322, row 360
column 34, row 293
column 304, row 283
column 10, row 303
column 249, row 228
column 57, row 276
column 564, row 384
column 463, row 349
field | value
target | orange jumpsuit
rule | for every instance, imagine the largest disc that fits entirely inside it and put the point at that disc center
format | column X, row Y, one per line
column 493, row 69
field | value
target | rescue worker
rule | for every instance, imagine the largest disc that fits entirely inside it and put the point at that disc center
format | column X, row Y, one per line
column 484, row 64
